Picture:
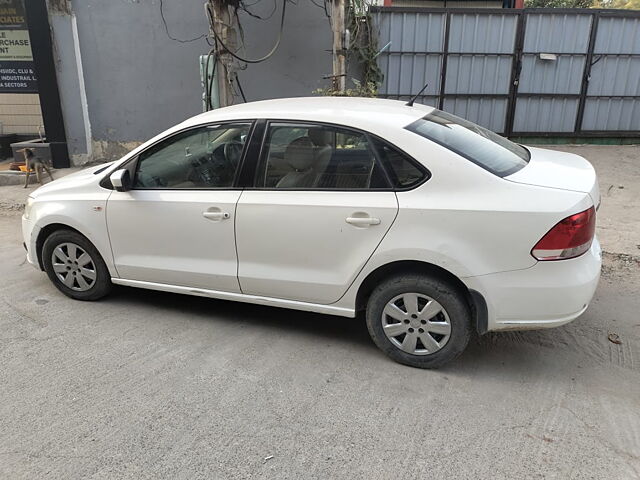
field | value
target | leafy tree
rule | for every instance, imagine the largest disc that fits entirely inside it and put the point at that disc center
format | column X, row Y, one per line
column 618, row 4
column 623, row 4
column 559, row 3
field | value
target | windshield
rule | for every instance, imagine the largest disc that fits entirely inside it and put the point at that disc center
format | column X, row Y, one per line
column 489, row 150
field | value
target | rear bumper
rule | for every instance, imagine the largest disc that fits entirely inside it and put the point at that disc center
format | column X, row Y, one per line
column 548, row 294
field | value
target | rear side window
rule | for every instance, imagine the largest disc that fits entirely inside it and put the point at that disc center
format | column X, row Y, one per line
column 489, row 150
column 318, row 157
column 403, row 171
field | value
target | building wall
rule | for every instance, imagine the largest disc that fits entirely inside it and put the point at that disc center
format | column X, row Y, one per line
column 20, row 113
column 122, row 79
column 19, row 103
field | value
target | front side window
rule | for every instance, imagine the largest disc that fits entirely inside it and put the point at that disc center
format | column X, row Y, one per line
column 489, row 150
column 321, row 157
column 204, row 157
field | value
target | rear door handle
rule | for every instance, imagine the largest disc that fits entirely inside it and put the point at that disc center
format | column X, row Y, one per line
column 215, row 215
column 362, row 221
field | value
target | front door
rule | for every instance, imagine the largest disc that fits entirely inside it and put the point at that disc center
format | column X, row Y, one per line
column 320, row 206
column 176, row 226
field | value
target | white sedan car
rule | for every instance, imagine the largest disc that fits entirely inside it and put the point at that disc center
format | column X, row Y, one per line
column 432, row 225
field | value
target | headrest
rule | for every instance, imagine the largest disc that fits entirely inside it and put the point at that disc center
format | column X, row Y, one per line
column 320, row 136
column 299, row 153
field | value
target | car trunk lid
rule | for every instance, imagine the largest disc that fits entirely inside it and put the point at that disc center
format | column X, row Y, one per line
column 561, row 170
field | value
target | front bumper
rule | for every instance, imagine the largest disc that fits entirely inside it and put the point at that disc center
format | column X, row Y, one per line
column 548, row 294
column 29, row 236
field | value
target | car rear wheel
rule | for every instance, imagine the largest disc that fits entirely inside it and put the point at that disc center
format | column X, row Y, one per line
column 74, row 266
column 418, row 320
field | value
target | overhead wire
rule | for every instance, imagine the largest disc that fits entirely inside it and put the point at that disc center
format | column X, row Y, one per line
column 209, row 81
column 257, row 60
column 323, row 6
column 240, row 88
column 220, row 48
column 243, row 6
column 166, row 29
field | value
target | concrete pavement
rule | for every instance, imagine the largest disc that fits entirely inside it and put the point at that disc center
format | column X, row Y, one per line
column 154, row 385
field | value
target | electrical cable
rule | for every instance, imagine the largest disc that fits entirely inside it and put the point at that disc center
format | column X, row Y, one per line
column 209, row 81
column 242, row 6
column 166, row 28
column 240, row 88
column 323, row 7
column 268, row 55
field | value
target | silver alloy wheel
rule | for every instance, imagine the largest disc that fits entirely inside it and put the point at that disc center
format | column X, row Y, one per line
column 73, row 266
column 416, row 324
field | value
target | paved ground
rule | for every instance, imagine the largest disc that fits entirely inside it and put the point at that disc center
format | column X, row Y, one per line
column 154, row 385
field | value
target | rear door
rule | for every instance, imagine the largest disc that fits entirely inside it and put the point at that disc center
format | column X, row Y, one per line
column 319, row 207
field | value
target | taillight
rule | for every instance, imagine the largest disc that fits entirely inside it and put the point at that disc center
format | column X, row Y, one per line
column 570, row 237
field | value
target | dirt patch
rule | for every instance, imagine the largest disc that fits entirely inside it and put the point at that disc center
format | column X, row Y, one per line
column 616, row 265
column 11, row 207
column 13, row 198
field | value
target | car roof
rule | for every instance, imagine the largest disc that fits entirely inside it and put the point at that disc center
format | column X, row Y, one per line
column 373, row 114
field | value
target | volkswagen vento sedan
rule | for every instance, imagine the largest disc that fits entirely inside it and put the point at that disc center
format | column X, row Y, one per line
column 432, row 225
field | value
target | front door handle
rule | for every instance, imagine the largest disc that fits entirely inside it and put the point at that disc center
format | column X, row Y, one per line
column 362, row 221
column 216, row 216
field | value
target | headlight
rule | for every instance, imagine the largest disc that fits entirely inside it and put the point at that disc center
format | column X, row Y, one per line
column 27, row 207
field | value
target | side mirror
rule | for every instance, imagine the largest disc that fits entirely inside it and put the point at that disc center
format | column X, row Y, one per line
column 121, row 180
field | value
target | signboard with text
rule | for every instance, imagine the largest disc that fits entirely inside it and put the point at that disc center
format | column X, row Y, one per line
column 17, row 74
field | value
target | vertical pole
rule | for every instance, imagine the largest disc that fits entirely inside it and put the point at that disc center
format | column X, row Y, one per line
column 42, row 50
column 338, row 50
column 445, row 58
column 516, row 67
column 223, row 26
column 586, row 74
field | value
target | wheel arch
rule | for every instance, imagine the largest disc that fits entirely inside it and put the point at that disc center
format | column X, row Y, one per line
column 475, row 300
column 45, row 232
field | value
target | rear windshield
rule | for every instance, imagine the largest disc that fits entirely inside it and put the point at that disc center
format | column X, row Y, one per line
column 492, row 152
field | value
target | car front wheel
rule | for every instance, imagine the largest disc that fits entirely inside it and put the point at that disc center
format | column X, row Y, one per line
column 419, row 320
column 74, row 266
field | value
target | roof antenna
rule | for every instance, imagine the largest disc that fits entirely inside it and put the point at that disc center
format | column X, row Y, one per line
column 413, row 99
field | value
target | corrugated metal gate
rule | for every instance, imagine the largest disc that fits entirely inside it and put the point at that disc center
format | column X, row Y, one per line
column 529, row 72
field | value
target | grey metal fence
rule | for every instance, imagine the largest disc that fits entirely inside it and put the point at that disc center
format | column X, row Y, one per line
column 531, row 72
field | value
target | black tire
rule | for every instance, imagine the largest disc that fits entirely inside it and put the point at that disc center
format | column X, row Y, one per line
column 449, row 297
column 102, row 284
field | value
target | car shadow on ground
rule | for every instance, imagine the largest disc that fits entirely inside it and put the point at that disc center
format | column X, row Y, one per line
column 512, row 353
column 342, row 329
